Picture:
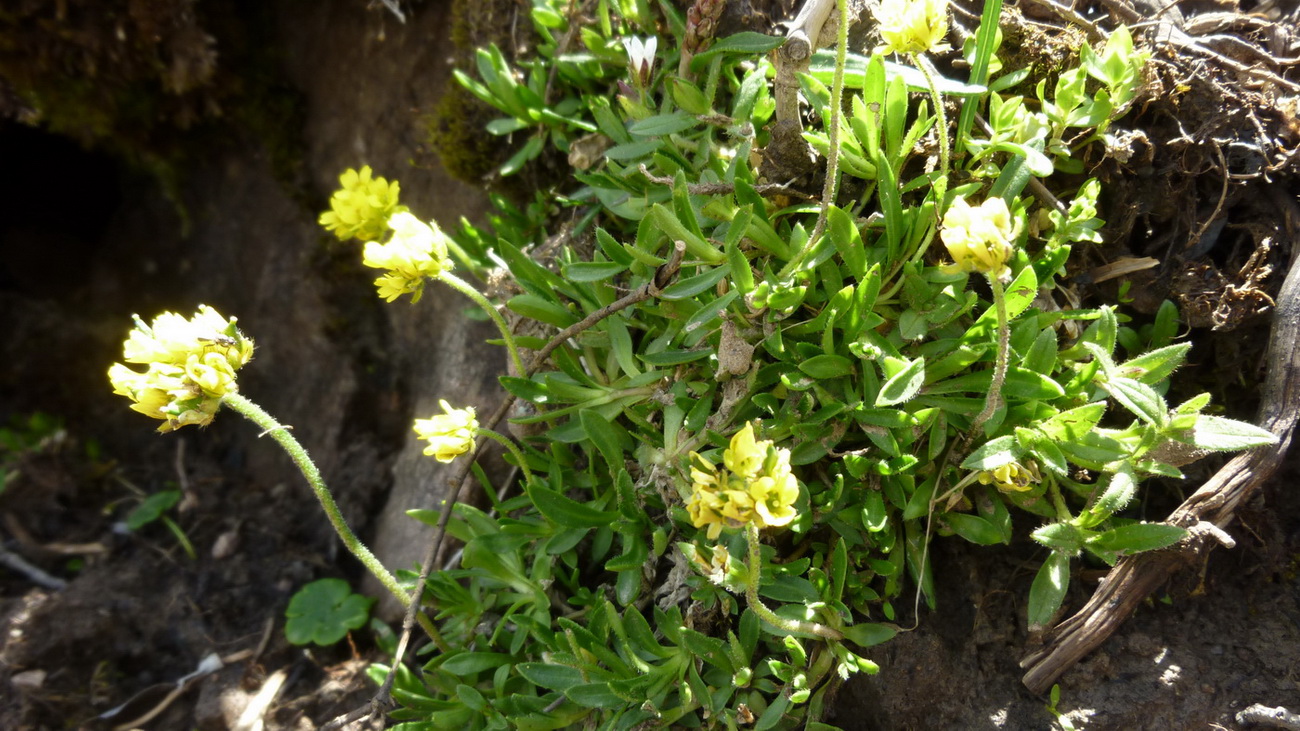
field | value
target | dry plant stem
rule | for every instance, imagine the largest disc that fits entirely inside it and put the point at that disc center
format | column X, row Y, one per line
column 459, row 479
column 285, row 438
column 1205, row 513
column 756, row 604
column 994, row 399
column 794, row 56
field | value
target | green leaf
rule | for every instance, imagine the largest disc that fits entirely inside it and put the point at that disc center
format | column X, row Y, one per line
column 1048, row 590
column 674, row 357
column 542, row 310
column 1063, row 537
column 902, row 386
column 1226, row 435
column 1138, row 398
column 975, row 529
column 848, row 240
column 323, row 611
column 592, row 271
column 868, row 634
column 605, row 436
column 1072, row 425
column 993, row 454
column 1041, row 357
column 663, row 124
column 747, row 43
column 467, row 663
column 152, row 508
column 566, row 512
column 1136, row 538
column 826, row 366
column 693, row 285
column 688, row 96
column 1120, row 489
column 549, row 675
column 1155, row 366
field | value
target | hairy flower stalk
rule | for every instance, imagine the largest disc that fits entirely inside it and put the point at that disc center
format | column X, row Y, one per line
column 191, row 365
column 913, row 28
column 980, row 240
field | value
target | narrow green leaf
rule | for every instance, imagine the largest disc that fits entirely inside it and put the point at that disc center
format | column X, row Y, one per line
column 693, row 285
column 1063, row 537
column 975, row 529
column 566, row 512
column 542, row 310
column 594, row 695
column 1048, row 590
column 663, row 124
column 993, row 454
column 674, row 357
column 902, row 386
column 605, row 436
column 868, row 634
column 467, row 663
column 1120, row 489
column 1139, row 398
column 848, row 240
column 827, row 366
column 1072, row 425
column 1137, row 537
column 1220, row 434
column 592, row 271
column 1155, row 366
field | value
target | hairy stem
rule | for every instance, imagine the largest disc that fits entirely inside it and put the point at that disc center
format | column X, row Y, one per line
column 767, row 615
column 464, row 288
column 994, row 399
column 512, row 448
column 831, row 185
column 285, row 438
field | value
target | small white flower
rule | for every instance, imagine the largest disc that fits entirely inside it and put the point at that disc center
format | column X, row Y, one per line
column 641, row 58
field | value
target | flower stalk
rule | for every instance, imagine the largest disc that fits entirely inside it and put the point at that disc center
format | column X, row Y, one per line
column 767, row 615
column 256, row 414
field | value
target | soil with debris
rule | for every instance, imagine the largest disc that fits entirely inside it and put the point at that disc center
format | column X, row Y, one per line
column 211, row 196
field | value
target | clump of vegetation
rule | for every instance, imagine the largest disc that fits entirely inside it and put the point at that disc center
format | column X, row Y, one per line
column 754, row 409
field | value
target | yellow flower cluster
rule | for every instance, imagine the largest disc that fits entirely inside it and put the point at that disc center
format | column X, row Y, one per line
column 449, row 434
column 417, row 250
column 1013, row 477
column 361, row 208
column 980, row 239
column 753, row 485
column 190, row 366
column 913, row 26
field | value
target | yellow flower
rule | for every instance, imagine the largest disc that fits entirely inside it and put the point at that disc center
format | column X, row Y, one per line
column 980, row 239
column 362, row 207
column 450, row 434
column 190, row 366
column 417, row 250
column 1013, row 477
column 754, row 486
column 775, row 492
column 913, row 26
column 745, row 454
